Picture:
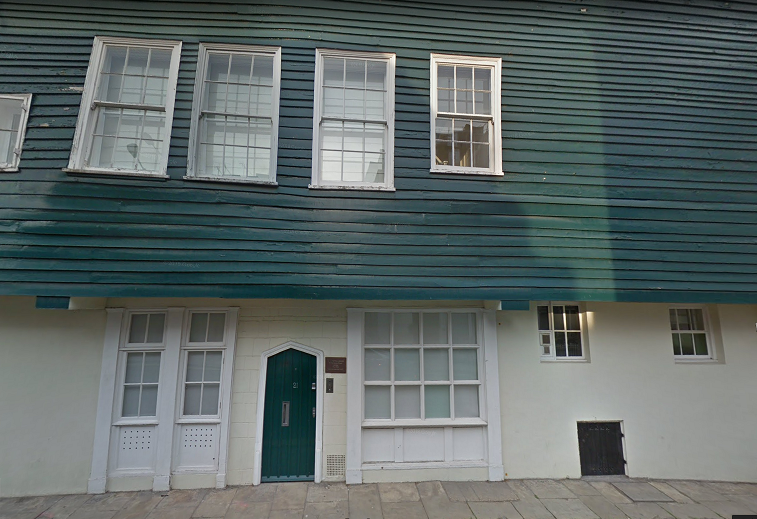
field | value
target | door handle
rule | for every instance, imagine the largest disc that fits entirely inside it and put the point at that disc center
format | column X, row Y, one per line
column 285, row 414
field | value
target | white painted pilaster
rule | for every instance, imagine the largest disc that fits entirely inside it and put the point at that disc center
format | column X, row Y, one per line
column 99, row 473
column 228, row 371
column 354, row 474
column 494, row 427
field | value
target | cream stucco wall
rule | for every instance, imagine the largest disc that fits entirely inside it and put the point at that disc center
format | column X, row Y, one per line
column 688, row 421
column 49, row 379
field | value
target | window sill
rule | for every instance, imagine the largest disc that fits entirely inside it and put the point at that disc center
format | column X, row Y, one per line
column 190, row 420
column 469, row 172
column 411, row 465
column 440, row 422
column 136, row 422
column 701, row 360
column 352, row 188
column 116, row 173
column 9, row 169
column 267, row 183
column 565, row 361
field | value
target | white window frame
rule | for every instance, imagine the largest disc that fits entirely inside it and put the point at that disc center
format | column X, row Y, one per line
column 707, row 332
column 495, row 148
column 427, row 422
column 199, row 418
column 552, row 356
column 83, row 136
column 12, row 167
column 193, row 171
column 390, row 59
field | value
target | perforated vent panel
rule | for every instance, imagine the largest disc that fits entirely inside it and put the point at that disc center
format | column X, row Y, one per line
column 199, row 437
column 136, row 438
column 335, row 465
column 197, row 447
column 136, row 448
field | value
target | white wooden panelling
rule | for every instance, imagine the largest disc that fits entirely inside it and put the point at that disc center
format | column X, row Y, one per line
column 491, row 389
column 197, row 447
column 468, row 443
column 354, row 474
column 378, row 445
column 423, row 444
column 135, row 450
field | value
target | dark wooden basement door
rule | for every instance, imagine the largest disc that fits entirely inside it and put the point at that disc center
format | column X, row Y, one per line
column 289, row 417
column 600, row 446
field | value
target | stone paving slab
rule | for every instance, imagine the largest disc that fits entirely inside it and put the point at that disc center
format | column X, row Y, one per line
column 728, row 508
column 326, row 493
column 689, row 511
column 216, row 503
column 532, row 509
column 290, row 496
column 581, row 488
column 642, row 492
column 549, row 489
column 726, row 488
column 671, row 492
column 523, row 492
column 644, row 511
column 398, row 492
column 404, row 510
column 696, row 491
column 364, row 502
column 494, row 510
column 327, row 510
column 568, row 509
column 610, row 492
column 492, row 491
column 603, row 507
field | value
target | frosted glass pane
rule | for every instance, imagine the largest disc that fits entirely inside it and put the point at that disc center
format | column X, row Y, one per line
column 149, row 401
column 407, row 402
column 466, row 402
column 216, row 324
column 210, row 399
column 138, row 328
column 192, row 399
column 435, row 328
column 198, row 327
column 407, row 328
column 152, row 368
column 213, row 360
column 464, row 328
column 194, row 366
column 377, row 327
column 437, row 401
column 133, row 368
column 155, row 329
column 465, row 364
column 131, row 401
column 435, row 364
column 407, row 364
column 376, row 364
column 377, row 403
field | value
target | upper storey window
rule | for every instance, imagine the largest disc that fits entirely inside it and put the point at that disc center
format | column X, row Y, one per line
column 353, row 126
column 466, row 115
column 125, row 117
column 14, row 111
column 236, row 113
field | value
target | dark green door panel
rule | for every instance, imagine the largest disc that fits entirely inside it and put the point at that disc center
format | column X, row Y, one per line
column 289, row 417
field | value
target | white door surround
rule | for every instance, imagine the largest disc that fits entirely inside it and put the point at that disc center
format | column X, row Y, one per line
column 256, row 474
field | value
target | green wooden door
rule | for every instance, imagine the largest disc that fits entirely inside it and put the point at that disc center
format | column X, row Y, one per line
column 289, row 418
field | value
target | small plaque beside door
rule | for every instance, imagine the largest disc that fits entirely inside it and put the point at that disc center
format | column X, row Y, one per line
column 336, row 364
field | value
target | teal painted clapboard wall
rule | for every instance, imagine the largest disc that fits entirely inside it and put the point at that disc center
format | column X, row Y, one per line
column 629, row 149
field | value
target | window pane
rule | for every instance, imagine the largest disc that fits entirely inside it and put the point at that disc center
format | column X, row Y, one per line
column 331, row 135
column 443, row 153
column 436, row 364
column 155, row 329
column 241, row 67
column 192, row 399
column 407, row 402
column 374, row 105
column 464, row 328
column 160, row 63
column 333, row 102
column 574, row 344
column 437, row 401
column 262, row 71
column 198, row 327
column 210, row 394
column 377, row 403
column 464, row 78
column 557, row 312
column 131, row 401
column 215, row 97
column 673, row 320
column 352, row 166
column 697, row 319
column 407, row 328
column 482, row 79
column 560, row 346
column 377, row 327
column 445, row 77
column 374, row 168
column 377, row 364
column 152, row 368
column 333, row 72
column 354, row 104
column 676, row 344
column 700, row 344
column 238, row 99
column 482, row 103
column 466, row 402
column 446, row 100
column 687, row 344
column 374, row 138
column 464, row 102
column 331, row 165
column 407, row 364
column 481, row 131
column 218, row 67
column 115, row 59
column 683, row 320
column 462, row 154
column 138, row 328
column 136, row 64
column 355, row 74
column 572, row 320
column 376, row 75
column 149, row 400
column 134, row 368
column 542, row 313
column 435, row 328
column 194, row 366
column 216, row 325
column 213, row 361
column 465, row 364
column 155, row 91
column 353, row 136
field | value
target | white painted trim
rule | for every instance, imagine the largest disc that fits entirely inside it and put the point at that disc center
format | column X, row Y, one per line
column 98, row 475
column 582, row 323
column 26, row 100
column 427, row 465
column 354, row 461
column 495, row 153
column 257, row 463
column 491, row 389
column 194, row 130
column 167, row 398
column 391, row 61
column 232, row 317
column 84, row 124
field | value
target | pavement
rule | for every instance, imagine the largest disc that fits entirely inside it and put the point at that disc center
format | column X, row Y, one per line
column 587, row 498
